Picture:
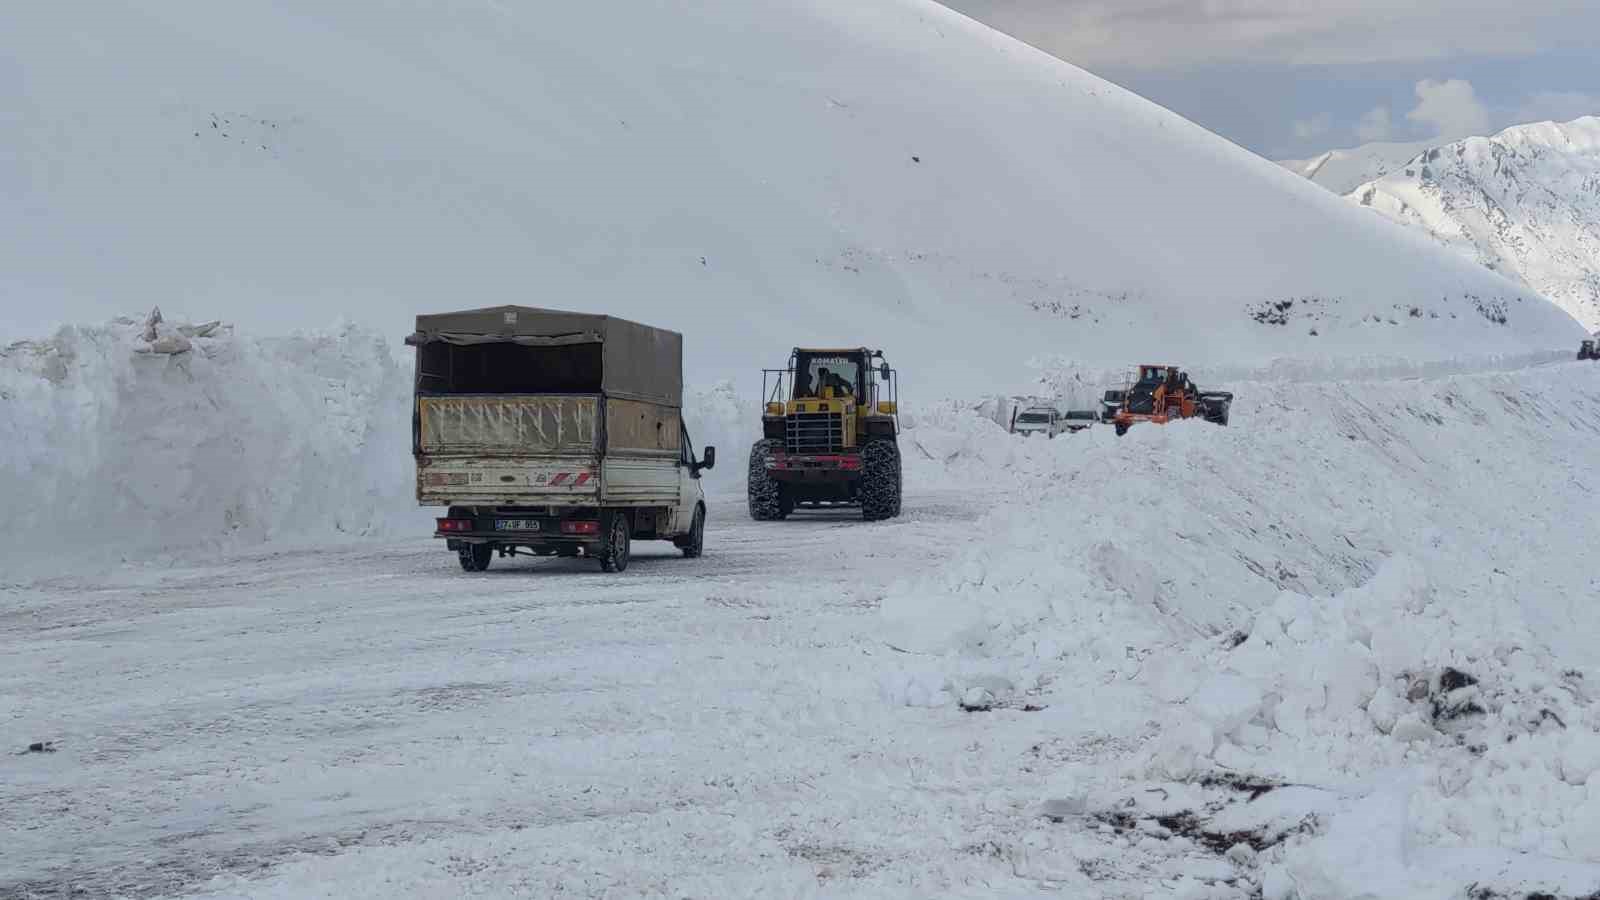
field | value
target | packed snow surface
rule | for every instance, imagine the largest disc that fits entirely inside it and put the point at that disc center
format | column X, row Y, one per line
column 1342, row 648
column 754, row 173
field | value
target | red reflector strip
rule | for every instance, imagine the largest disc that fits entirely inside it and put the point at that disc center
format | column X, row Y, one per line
column 831, row 461
column 559, row 477
column 583, row 479
column 577, row 527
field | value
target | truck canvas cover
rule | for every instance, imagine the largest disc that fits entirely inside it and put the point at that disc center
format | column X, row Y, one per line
column 607, row 355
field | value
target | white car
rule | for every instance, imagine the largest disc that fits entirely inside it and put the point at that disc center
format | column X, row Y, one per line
column 1045, row 420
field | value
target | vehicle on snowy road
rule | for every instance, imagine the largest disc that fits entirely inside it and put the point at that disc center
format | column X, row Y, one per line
column 1111, row 404
column 1045, row 420
column 1161, row 394
column 829, row 435
column 554, row 433
column 1051, row 421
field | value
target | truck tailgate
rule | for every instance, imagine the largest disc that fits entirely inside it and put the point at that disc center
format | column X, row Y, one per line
column 508, row 481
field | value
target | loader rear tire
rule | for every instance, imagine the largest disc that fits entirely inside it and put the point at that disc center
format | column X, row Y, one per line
column 1121, row 429
column 765, row 493
column 880, row 481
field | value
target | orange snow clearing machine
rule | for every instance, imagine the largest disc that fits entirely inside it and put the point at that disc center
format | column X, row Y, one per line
column 1160, row 394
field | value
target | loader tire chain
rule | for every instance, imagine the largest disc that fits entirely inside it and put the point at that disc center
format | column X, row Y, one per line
column 764, row 490
column 880, row 481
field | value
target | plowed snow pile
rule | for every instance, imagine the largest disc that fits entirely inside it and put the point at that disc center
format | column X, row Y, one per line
column 126, row 443
column 1342, row 648
column 113, row 447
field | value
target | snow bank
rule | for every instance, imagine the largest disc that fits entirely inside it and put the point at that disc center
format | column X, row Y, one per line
column 130, row 441
column 1352, row 580
column 129, row 438
column 719, row 416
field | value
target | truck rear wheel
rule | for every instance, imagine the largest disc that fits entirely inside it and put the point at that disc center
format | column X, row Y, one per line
column 616, row 546
column 880, row 481
column 767, row 502
column 475, row 557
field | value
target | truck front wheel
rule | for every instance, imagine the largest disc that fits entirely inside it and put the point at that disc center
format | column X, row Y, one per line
column 616, row 545
column 693, row 544
column 475, row 557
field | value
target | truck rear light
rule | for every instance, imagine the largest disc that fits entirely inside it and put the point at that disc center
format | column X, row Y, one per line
column 575, row 526
column 454, row 524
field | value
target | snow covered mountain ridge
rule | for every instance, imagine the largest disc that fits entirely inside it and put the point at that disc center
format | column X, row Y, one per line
column 754, row 174
column 1524, row 202
column 1342, row 171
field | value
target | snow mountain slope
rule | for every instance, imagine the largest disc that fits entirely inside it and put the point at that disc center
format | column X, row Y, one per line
column 755, row 174
column 1342, row 171
column 1525, row 203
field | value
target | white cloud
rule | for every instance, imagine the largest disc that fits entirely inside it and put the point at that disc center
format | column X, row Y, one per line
column 1158, row 34
column 1375, row 125
column 1451, row 107
column 1316, row 126
column 1557, row 106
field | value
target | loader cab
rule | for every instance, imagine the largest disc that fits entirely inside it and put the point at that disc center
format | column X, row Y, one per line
column 831, row 374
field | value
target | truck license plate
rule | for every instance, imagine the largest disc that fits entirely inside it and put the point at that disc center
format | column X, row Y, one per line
column 516, row 524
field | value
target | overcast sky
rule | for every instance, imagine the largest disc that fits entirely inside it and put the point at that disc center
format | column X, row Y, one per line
column 1290, row 78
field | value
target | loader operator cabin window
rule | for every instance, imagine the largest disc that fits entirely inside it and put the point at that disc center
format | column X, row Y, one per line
column 507, row 368
column 814, row 372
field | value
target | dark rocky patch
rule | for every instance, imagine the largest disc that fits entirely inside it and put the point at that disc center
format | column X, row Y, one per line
column 1246, row 784
column 1191, row 826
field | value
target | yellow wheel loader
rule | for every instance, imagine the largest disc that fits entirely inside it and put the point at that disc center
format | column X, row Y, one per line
column 829, row 435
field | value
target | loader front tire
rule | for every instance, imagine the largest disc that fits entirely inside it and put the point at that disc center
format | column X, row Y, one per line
column 765, row 493
column 880, row 481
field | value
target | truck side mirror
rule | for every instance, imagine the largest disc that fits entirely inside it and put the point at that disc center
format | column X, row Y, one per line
column 711, row 458
column 883, row 371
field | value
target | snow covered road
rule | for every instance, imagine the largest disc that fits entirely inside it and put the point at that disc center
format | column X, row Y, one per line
column 719, row 717
column 1345, row 647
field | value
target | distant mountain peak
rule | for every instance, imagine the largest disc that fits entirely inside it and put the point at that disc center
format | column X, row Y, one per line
column 1524, row 202
column 1341, row 171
